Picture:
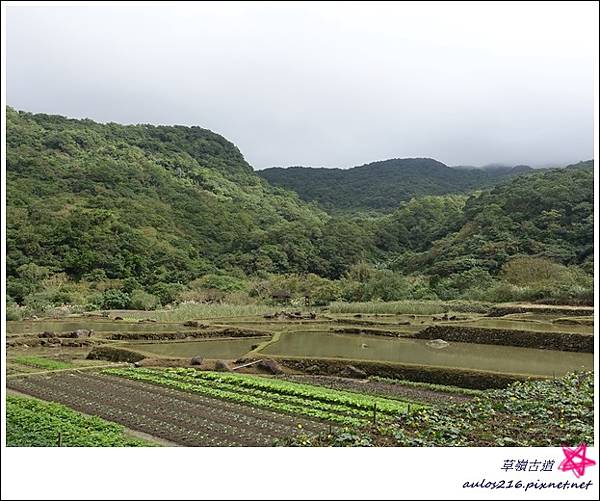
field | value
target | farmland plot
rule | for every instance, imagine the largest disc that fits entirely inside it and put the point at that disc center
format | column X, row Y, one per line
column 177, row 416
column 33, row 423
column 341, row 407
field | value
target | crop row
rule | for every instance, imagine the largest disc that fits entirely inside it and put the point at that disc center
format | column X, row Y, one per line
column 162, row 378
column 33, row 423
column 225, row 386
column 311, row 392
column 316, row 402
column 42, row 363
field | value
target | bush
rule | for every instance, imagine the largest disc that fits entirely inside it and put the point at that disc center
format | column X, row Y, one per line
column 142, row 300
column 532, row 270
column 225, row 283
column 166, row 293
column 14, row 311
column 114, row 299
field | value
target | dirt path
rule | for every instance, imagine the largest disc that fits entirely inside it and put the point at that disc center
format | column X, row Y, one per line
column 183, row 418
column 394, row 390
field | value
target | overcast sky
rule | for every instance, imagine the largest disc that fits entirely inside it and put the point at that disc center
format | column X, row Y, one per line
column 332, row 85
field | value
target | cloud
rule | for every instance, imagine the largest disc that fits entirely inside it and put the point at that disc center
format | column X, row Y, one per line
column 327, row 84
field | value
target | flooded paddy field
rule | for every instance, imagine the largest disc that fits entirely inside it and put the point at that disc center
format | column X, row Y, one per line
column 388, row 338
column 48, row 359
column 479, row 357
column 229, row 349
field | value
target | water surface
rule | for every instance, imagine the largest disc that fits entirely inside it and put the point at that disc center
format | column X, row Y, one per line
column 211, row 348
column 507, row 359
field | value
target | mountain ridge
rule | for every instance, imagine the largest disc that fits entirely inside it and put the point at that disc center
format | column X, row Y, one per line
column 383, row 185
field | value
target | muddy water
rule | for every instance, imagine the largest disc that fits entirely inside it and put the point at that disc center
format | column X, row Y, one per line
column 506, row 359
column 32, row 327
column 213, row 348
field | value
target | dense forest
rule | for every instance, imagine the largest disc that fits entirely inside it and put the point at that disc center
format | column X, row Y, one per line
column 114, row 216
column 382, row 186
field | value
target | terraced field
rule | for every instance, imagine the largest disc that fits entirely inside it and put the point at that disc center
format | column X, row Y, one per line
column 177, row 416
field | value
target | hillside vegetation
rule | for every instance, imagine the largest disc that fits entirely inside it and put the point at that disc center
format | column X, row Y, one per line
column 382, row 186
column 141, row 216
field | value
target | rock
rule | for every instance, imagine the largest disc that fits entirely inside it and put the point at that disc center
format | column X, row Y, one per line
column 438, row 343
column 79, row 333
column 354, row 372
column 358, row 315
column 47, row 334
column 313, row 369
column 312, row 315
column 404, row 323
column 270, row 366
column 191, row 323
column 222, row 366
column 254, row 346
column 196, row 360
column 137, row 364
column 118, row 318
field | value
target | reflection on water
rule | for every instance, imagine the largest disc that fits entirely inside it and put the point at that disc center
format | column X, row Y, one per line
column 214, row 348
column 415, row 351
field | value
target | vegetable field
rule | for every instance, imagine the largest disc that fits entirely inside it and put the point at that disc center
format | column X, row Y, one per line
column 340, row 407
column 32, row 423
column 180, row 417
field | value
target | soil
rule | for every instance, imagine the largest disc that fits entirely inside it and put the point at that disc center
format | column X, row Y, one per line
column 183, row 418
column 393, row 390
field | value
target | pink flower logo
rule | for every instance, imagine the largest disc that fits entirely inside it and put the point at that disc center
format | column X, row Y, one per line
column 575, row 460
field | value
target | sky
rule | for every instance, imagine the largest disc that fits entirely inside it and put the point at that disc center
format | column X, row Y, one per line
column 323, row 84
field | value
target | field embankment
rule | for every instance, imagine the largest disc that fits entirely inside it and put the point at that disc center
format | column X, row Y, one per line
column 561, row 341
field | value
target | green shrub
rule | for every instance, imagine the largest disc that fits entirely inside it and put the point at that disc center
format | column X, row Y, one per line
column 114, row 299
column 166, row 293
column 142, row 300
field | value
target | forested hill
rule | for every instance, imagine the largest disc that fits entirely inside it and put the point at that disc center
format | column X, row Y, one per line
column 382, row 186
column 161, row 204
column 100, row 213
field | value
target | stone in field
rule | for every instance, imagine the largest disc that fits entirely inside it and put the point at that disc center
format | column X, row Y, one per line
column 83, row 333
column 196, row 360
column 222, row 366
column 354, row 372
column 270, row 366
column 438, row 343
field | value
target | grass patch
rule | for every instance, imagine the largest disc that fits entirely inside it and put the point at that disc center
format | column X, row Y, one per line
column 42, row 363
column 34, row 423
column 190, row 311
column 408, row 307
